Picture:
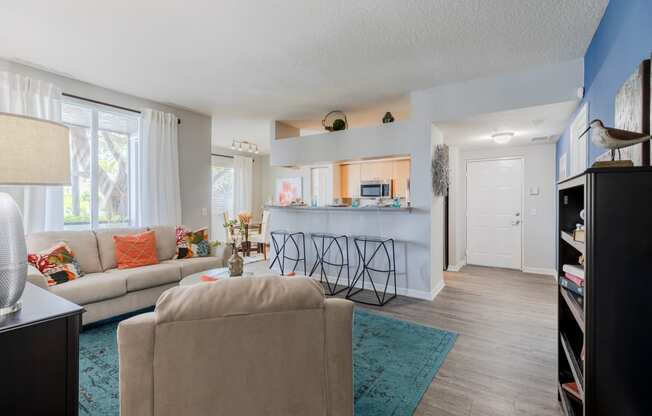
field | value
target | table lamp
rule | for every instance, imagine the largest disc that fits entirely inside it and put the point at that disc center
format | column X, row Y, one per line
column 32, row 152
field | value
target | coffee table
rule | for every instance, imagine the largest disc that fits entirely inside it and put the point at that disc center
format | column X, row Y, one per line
column 219, row 273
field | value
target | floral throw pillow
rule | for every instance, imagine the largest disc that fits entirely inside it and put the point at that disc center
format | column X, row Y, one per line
column 57, row 263
column 192, row 243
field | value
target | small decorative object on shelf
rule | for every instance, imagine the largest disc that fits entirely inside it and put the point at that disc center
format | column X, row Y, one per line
column 613, row 139
column 578, row 233
column 440, row 170
column 335, row 121
column 389, row 118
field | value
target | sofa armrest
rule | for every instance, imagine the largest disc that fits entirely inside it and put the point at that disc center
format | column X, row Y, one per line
column 136, row 351
column 339, row 356
column 36, row 278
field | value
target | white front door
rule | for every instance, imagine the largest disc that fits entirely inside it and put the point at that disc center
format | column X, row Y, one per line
column 493, row 212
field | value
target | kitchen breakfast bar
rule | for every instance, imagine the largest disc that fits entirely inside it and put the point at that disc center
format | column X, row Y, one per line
column 350, row 248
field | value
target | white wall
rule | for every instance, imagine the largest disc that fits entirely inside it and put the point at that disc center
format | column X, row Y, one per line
column 194, row 138
column 227, row 129
column 539, row 216
column 542, row 85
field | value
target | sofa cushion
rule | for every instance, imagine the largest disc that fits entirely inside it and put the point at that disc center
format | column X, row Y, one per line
column 135, row 250
column 192, row 243
column 148, row 276
column 91, row 288
column 82, row 243
column 166, row 241
column 58, row 264
column 106, row 246
column 195, row 264
column 246, row 296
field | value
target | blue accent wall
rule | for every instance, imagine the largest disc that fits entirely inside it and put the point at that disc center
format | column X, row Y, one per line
column 623, row 39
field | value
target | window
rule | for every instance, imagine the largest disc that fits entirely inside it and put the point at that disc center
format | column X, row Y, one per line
column 319, row 178
column 103, row 166
column 222, row 195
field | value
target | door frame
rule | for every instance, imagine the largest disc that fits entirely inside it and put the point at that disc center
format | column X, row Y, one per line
column 466, row 200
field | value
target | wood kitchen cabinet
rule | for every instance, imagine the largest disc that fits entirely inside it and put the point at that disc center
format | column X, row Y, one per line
column 352, row 174
column 370, row 171
column 350, row 180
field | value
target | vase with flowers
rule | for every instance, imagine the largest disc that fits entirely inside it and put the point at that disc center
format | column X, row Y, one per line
column 237, row 230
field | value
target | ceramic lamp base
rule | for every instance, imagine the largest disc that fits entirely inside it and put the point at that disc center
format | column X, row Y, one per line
column 13, row 255
column 11, row 309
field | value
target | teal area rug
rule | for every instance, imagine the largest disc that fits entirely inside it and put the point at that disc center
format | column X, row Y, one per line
column 394, row 363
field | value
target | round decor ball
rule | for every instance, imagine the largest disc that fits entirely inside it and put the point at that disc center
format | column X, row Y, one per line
column 339, row 124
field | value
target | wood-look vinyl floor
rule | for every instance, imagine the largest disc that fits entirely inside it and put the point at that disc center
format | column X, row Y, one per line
column 504, row 360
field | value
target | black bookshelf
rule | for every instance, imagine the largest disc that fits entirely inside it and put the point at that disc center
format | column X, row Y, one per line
column 611, row 320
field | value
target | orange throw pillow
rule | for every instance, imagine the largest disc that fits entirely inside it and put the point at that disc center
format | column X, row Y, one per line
column 135, row 250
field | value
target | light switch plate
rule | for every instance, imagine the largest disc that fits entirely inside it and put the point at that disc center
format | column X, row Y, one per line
column 204, row 212
column 534, row 190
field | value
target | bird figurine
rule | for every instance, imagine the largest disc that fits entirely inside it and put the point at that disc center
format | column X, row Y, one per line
column 612, row 138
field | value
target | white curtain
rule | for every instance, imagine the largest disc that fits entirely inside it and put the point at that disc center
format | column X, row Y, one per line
column 42, row 206
column 243, row 168
column 159, row 193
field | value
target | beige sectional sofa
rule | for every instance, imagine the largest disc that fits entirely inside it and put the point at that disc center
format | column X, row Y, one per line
column 105, row 291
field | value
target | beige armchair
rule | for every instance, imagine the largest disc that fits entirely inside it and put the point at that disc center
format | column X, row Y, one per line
column 243, row 346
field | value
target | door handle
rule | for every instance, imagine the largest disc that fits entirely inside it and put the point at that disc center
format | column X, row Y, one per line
column 517, row 222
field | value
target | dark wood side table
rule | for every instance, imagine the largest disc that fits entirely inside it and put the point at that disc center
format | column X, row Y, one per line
column 39, row 356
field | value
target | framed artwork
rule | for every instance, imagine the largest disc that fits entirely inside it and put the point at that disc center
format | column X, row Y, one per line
column 632, row 112
column 288, row 190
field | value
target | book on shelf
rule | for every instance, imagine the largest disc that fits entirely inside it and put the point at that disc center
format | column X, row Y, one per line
column 572, row 389
column 574, row 269
column 579, row 299
column 570, row 285
column 575, row 279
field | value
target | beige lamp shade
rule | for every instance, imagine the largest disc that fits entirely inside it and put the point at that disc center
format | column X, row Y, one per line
column 33, row 151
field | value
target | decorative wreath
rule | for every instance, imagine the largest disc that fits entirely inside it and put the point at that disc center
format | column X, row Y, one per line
column 335, row 121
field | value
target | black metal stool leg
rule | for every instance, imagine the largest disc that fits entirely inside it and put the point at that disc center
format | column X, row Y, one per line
column 303, row 243
column 366, row 263
column 317, row 259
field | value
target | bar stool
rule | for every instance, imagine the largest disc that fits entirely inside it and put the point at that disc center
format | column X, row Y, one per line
column 280, row 240
column 322, row 250
column 373, row 245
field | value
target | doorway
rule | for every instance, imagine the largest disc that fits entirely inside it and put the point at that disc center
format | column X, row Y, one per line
column 494, row 212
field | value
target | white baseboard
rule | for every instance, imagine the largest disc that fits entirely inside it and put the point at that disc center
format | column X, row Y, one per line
column 540, row 270
column 435, row 291
column 456, row 267
column 411, row 293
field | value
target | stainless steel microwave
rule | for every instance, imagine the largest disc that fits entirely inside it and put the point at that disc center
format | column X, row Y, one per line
column 376, row 189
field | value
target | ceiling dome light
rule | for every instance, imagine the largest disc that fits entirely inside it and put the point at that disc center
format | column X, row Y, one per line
column 502, row 138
